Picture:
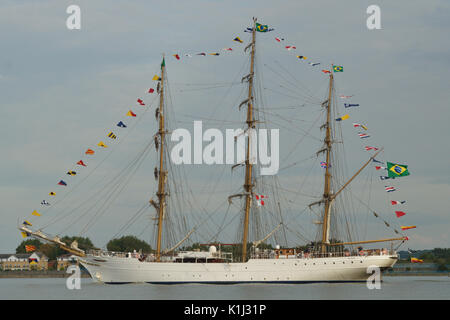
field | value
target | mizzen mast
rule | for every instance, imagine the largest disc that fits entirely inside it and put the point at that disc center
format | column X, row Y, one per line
column 248, row 186
column 162, row 173
column 327, row 192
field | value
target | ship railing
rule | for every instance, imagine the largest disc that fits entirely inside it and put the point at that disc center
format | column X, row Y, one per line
column 308, row 255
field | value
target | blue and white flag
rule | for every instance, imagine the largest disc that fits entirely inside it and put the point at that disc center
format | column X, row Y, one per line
column 349, row 105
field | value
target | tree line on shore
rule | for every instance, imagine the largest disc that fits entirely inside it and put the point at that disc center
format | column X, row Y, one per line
column 439, row 256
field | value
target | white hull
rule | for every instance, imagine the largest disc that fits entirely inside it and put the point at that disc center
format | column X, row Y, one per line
column 331, row 269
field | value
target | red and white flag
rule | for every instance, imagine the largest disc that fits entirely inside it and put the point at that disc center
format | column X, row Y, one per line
column 259, row 199
column 141, row 102
column 371, row 148
column 379, row 167
column 290, row 47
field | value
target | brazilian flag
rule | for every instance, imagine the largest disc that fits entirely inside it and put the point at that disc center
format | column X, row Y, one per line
column 397, row 170
column 262, row 27
column 338, row 68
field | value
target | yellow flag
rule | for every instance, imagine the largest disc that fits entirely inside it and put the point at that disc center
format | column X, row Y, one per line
column 52, row 194
column 24, row 234
column 156, row 78
column 35, row 213
column 101, row 144
column 344, row 117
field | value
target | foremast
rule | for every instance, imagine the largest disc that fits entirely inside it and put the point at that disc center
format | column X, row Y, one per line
column 248, row 185
column 162, row 173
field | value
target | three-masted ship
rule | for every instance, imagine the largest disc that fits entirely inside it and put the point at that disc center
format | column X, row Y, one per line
column 326, row 261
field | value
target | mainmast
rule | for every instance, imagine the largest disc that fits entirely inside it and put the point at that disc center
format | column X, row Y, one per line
column 162, row 174
column 327, row 192
column 248, row 186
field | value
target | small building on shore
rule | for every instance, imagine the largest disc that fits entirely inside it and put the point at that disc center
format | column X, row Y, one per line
column 23, row 261
column 66, row 260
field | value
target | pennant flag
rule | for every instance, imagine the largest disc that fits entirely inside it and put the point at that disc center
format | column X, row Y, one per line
column 302, row 57
column 27, row 223
column 131, row 114
column 385, row 178
column 151, row 90
column 415, row 260
column 314, row 63
column 141, row 102
column 45, row 203
column 389, row 189
column 248, row 30
column 263, row 28
column 279, row 39
column 379, row 167
column 156, row 77
column 71, row 173
column 259, row 199
column 326, row 71
column 394, row 202
column 344, row 117
column 349, row 105
column 214, row 54
column 81, row 163
column 201, row 54
column 227, row 49
column 338, row 68
column 407, row 227
column 345, row 97
column 323, row 164
column 371, row 148
column 177, row 56
column 121, row 124
column 238, row 39
column 399, row 213
column 52, row 194
column 356, row 125
column 363, row 135
column 35, row 213
column 188, row 55
column 89, row 151
column 30, row 248
column 397, row 170
column 62, row 183
column 112, row 135
column 376, row 161
column 25, row 234
column 290, row 47
column 101, row 144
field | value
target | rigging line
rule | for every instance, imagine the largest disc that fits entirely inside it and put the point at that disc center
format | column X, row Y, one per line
column 307, row 95
column 203, row 84
column 132, row 220
column 303, row 137
column 281, row 117
column 228, row 91
column 297, row 162
column 106, row 205
column 303, row 133
column 101, row 162
column 206, row 88
column 296, row 80
column 203, row 118
column 112, row 188
column 290, row 96
column 58, row 218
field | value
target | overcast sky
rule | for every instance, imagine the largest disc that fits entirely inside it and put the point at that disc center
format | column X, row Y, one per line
column 63, row 90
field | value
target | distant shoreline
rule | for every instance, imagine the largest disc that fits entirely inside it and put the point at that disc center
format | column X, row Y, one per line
column 37, row 274
column 63, row 274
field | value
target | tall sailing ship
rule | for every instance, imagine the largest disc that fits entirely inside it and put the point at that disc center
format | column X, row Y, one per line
column 324, row 260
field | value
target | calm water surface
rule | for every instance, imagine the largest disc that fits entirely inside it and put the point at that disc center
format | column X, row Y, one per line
column 393, row 287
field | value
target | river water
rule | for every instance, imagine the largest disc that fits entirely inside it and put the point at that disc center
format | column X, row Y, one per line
column 392, row 288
